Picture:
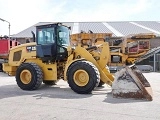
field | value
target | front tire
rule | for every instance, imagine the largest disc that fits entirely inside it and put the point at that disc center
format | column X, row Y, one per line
column 83, row 77
column 29, row 76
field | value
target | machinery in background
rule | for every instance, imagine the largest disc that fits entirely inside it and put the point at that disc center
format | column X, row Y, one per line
column 124, row 51
column 128, row 49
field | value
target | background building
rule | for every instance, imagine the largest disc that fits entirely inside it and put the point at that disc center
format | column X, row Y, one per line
column 118, row 29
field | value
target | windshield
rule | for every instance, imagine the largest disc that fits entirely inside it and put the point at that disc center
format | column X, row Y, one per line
column 63, row 36
column 46, row 35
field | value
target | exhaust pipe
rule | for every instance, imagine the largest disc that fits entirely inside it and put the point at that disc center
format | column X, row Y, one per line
column 34, row 36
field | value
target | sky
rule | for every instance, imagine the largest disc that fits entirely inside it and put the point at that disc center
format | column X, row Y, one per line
column 24, row 13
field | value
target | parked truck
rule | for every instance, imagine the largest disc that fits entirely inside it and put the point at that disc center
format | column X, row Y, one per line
column 5, row 45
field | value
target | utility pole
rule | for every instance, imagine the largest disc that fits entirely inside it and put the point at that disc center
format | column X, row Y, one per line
column 8, row 23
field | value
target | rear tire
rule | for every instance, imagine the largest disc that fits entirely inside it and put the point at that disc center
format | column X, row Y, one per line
column 29, row 76
column 83, row 77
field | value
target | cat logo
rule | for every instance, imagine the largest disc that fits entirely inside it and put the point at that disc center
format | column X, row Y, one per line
column 31, row 48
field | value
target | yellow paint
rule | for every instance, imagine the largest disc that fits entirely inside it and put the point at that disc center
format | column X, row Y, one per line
column 49, row 70
column 105, row 75
column 25, row 54
column 81, row 78
column 25, row 76
column 10, row 70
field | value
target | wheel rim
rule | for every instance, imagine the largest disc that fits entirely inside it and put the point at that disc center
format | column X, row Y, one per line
column 81, row 77
column 25, row 76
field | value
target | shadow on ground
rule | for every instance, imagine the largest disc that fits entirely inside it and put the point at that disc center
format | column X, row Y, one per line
column 60, row 92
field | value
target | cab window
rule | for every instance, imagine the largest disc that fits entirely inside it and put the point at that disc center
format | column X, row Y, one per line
column 46, row 36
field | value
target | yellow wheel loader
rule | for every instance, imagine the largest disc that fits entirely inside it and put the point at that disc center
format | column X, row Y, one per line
column 51, row 58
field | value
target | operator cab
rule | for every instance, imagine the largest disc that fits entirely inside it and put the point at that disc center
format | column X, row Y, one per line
column 52, row 42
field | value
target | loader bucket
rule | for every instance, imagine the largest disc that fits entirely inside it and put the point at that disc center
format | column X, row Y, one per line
column 130, row 83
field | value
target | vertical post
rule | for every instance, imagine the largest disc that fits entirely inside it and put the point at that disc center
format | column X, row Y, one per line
column 154, row 62
column 9, row 29
column 8, row 23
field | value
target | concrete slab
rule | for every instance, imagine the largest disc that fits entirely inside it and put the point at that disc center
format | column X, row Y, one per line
column 59, row 102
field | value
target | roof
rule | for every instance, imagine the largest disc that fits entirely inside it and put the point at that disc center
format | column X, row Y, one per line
column 119, row 29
